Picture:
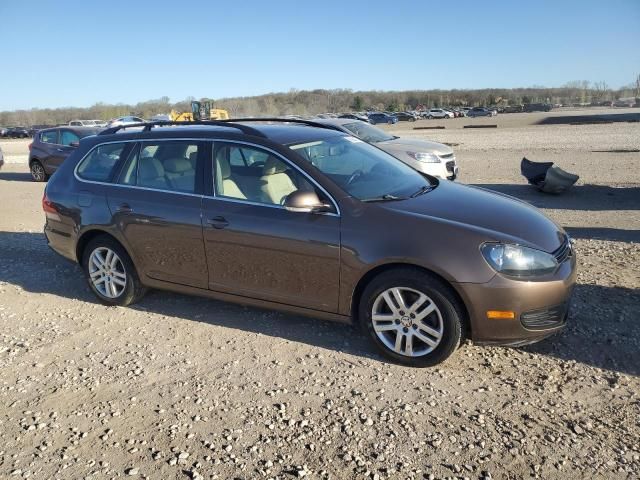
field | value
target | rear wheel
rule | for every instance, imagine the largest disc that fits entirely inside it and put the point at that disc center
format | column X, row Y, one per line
column 412, row 317
column 110, row 272
column 37, row 172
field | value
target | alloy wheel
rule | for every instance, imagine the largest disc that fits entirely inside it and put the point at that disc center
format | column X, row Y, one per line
column 37, row 172
column 107, row 272
column 407, row 321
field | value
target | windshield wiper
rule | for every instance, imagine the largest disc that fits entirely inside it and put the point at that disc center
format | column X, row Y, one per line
column 423, row 189
column 387, row 197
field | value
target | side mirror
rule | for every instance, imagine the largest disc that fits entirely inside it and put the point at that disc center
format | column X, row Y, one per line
column 305, row 202
column 74, row 144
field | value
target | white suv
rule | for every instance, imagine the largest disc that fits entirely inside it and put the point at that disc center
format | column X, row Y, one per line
column 438, row 113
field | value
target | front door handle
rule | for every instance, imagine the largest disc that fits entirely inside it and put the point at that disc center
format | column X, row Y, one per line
column 218, row 222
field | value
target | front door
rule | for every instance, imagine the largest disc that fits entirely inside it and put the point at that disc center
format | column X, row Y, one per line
column 157, row 208
column 255, row 247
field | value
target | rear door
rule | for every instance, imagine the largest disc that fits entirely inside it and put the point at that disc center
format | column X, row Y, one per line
column 47, row 150
column 156, row 204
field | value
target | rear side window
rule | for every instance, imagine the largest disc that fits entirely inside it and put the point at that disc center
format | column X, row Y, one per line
column 98, row 165
column 49, row 137
column 167, row 166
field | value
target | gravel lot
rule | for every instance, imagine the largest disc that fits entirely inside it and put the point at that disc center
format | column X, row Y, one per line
column 183, row 387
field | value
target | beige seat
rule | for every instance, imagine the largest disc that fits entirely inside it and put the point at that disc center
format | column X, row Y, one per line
column 226, row 185
column 275, row 183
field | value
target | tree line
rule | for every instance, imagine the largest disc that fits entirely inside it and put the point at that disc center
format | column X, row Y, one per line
column 311, row 102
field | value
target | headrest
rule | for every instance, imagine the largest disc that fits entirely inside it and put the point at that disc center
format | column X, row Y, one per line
column 224, row 167
column 273, row 166
column 177, row 165
column 150, row 168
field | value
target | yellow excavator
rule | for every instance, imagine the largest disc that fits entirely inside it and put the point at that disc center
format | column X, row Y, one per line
column 200, row 111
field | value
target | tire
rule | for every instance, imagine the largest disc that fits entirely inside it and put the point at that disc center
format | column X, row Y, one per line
column 430, row 117
column 38, row 173
column 128, row 288
column 442, row 327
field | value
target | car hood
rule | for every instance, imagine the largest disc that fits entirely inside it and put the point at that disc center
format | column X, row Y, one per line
column 497, row 216
column 410, row 144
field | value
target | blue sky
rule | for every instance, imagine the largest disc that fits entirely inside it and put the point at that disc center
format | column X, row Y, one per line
column 76, row 53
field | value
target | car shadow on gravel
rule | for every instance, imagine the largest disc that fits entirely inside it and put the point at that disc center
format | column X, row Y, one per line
column 16, row 176
column 27, row 261
column 579, row 197
column 602, row 331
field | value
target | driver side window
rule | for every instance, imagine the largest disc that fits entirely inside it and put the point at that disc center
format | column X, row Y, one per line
column 255, row 175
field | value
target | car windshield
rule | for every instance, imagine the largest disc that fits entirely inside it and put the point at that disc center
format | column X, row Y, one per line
column 362, row 170
column 367, row 132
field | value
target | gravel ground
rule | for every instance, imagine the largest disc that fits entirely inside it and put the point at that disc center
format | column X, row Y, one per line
column 183, row 387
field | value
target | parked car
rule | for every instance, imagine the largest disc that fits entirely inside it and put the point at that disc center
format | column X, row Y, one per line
column 127, row 120
column 438, row 113
column 375, row 118
column 18, row 132
column 537, row 107
column 3, row 131
column 82, row 123
column 405, row 117
column 312, row 221
column 99, row 123
column 355, row 116
column 513, row 109
column 480, row 112
column 427, row 157
column 50, row 148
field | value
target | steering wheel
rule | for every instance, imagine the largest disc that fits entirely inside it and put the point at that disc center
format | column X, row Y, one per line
column 354, row 176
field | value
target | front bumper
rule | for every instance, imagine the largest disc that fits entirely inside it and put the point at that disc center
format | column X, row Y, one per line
column 541, row 307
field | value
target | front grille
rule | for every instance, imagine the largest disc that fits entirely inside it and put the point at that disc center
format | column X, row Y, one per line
column 543, row 318
column 450, row 166
column 446, row 156
column 564, row 251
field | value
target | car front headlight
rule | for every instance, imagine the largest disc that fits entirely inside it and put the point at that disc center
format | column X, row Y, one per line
column 517, row 260
column 424, row 157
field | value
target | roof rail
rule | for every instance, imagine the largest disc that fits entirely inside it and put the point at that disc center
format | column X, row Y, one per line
column 147, row 126
column 309, row 123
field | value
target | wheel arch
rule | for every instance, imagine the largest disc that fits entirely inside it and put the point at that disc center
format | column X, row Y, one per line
column 380, row 269
column 89, row 235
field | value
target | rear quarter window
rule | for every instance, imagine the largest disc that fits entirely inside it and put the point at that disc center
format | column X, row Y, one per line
column 49, row 137
column 99, row 164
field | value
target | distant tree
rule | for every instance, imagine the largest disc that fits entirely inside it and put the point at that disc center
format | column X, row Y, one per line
column 358, row 103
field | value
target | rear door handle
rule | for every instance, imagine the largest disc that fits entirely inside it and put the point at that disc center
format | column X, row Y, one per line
column 124, row 208
column 218, row 222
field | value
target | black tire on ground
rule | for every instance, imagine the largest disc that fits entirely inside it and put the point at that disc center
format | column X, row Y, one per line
column 38, row 173
column 133, row 290
column 442, row 295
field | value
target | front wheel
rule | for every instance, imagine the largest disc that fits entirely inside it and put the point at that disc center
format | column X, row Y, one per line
column 110, row 272
column 412, row 317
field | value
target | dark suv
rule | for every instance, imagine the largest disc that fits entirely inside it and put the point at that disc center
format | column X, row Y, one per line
column 300, row 217
column 50, row 147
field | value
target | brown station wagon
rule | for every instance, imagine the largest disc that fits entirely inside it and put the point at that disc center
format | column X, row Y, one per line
column 302, row 218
